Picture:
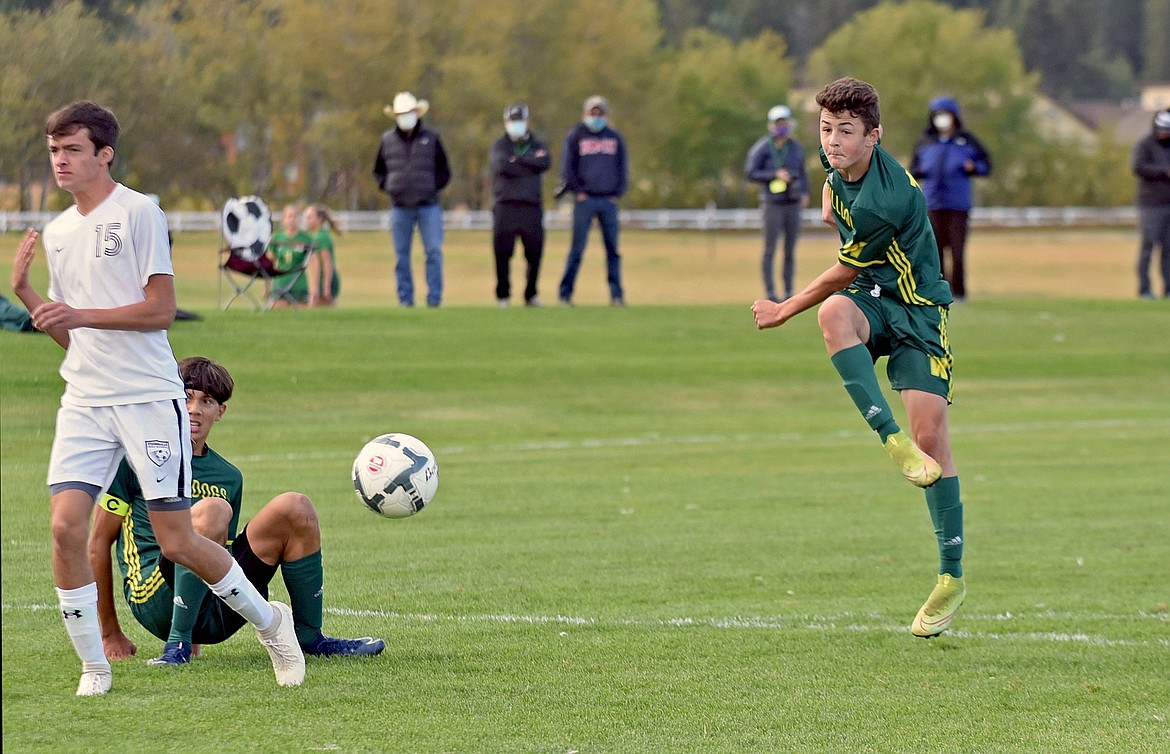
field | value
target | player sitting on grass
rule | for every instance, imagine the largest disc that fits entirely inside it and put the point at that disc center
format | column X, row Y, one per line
column 886, row 296
column 170, row 601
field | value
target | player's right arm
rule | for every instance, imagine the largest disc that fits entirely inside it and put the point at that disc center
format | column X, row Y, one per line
column 106, row 524
column 33, row 301
column 836, row 278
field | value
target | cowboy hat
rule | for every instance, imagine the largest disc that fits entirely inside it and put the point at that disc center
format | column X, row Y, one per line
column 405, row 102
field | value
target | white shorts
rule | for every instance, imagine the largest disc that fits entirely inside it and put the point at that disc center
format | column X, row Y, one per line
column 155, row 437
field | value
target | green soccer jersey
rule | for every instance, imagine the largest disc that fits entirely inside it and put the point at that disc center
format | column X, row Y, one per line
column 290, row 252
column 886, row 234
column 323, row 242
column 137, row 548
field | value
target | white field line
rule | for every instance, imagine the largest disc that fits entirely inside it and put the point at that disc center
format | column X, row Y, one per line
column 871, row 622
column 653, row 439
column 845, row 621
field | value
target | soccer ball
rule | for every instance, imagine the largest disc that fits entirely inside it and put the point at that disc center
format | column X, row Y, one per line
column 395, row 475
column 247, row 227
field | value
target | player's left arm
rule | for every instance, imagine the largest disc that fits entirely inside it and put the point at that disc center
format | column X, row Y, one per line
column 155, row 312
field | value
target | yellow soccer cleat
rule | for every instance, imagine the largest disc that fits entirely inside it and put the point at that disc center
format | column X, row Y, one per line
column 940, row 607
column 920, row 469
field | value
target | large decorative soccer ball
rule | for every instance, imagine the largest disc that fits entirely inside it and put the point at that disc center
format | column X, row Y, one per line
column 247, row 226
column 395, row 475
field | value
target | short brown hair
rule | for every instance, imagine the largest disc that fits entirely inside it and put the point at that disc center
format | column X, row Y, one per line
column 206, row 376
column 103, row 126
column 850, row 95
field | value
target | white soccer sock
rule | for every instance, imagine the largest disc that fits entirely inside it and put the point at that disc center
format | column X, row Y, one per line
column 79, row 610
column 241, row 596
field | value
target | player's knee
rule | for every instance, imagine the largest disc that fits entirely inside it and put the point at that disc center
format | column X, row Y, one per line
column 68, row 533
column 210, row 517
column 835, row 323
column 297, row 510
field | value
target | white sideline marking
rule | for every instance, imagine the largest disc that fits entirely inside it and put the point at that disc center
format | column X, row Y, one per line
column 838, row 622
column 718, row 439
column 845, row 621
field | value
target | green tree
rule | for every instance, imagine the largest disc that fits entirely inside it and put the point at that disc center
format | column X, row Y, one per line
column 913, row 51
column 719, row 94
column 48, row 59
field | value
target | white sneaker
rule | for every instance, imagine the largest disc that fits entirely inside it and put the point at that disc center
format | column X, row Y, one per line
column 95, row 682
column 281, row 642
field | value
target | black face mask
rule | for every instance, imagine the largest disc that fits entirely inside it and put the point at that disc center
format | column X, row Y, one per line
column 1163, row 139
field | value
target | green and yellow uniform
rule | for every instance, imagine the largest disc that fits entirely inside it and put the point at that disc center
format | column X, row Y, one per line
column 322, row 243
column 289, row 254
column 886, row 236
column 145, row 573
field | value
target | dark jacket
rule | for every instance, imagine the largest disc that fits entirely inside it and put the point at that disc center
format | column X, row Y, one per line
column 412, row 167
column 595, row 163
column 516, row 169
column 940, row 164
column 1151, row 164
column 761, row 167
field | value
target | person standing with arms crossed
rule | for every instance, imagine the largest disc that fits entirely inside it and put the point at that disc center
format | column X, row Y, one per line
column 518, row 158
column 944, row 161
column 1151, row 165
column 595, row 170
column 776, row 162
column 112, row 297
column 885, row 296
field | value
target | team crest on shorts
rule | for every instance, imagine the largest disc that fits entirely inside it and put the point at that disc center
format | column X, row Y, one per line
column 158, row 451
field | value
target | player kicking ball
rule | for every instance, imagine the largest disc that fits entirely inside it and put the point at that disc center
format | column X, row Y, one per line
column 170, row 601
column 886, row 296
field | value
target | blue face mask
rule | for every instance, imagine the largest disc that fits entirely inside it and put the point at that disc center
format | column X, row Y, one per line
column 595, row 123
column 516, row 129
column 781, row 130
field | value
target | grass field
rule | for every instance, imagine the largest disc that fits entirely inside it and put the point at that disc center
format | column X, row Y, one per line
column 656, row 529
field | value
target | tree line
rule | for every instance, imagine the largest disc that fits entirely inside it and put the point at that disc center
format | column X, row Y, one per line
column 284, row 98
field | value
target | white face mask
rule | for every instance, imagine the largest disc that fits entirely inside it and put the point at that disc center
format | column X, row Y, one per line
column 407, row 121
column 516, row 129
column 943, row 121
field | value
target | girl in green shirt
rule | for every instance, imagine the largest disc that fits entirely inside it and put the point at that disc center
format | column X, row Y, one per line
column 324, row 281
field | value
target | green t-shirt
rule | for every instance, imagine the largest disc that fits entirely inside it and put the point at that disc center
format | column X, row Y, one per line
column 137, row 548
column 289, row 254
column 323, row 242
column 886, row 234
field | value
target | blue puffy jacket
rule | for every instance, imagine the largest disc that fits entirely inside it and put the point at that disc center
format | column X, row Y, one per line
column 941, row 164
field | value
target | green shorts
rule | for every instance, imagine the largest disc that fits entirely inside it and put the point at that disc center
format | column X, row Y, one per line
column 216, row 621
column 913, row 337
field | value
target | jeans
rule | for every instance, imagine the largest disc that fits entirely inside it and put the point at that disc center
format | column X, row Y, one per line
column 429, row 219
column 606, row 212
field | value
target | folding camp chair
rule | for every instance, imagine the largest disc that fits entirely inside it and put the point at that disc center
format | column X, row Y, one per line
column 244, row 260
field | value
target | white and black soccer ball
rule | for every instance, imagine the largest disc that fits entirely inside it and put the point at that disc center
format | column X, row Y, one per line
column 395, row 475
column 247, row 226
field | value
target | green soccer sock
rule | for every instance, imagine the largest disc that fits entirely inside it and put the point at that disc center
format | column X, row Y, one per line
column 855, row 365
column 946, row 511
column 305, row 580
column 190, row 590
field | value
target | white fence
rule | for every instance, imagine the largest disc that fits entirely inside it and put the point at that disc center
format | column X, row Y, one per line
column 654, row 219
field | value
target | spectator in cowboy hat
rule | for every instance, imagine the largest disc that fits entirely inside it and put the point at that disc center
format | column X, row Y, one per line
column 412, row 168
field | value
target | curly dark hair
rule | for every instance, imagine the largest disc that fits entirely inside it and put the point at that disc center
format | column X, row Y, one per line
column 850, row 95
